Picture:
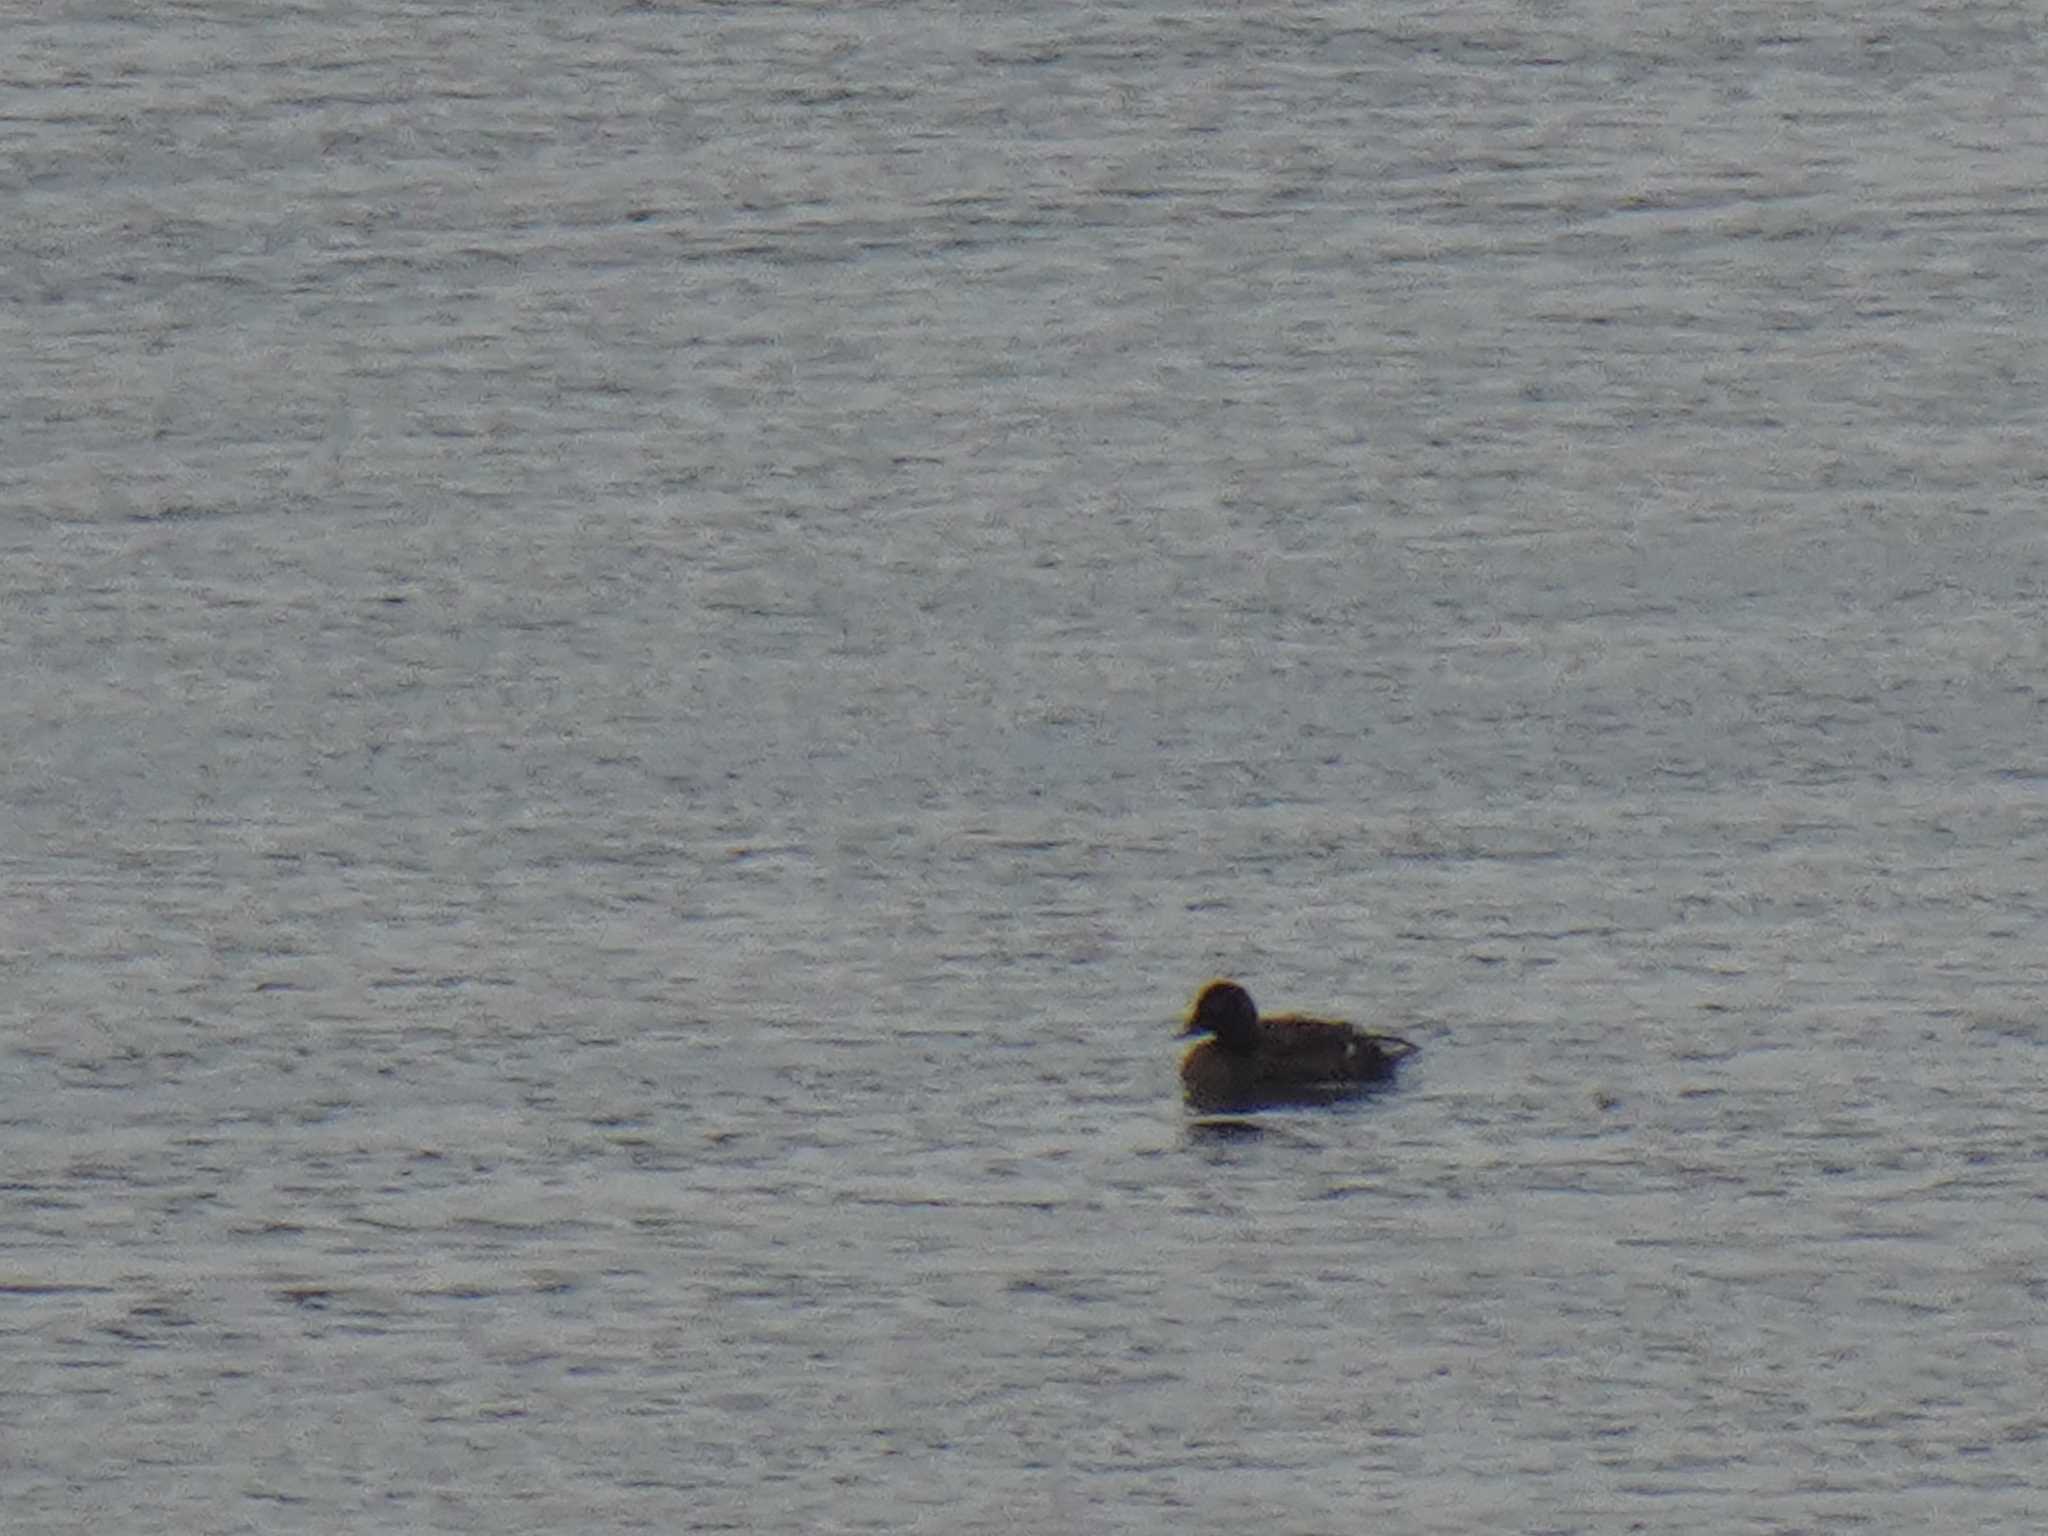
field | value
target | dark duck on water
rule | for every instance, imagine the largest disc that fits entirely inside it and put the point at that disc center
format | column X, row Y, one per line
column 1250, row 1063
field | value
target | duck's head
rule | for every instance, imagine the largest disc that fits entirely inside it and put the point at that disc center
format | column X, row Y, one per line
column 1224, row 1009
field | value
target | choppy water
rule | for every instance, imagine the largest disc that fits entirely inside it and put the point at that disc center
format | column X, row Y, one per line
column 647, row 649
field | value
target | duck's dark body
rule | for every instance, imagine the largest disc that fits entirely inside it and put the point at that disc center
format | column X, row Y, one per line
column 1252, row 1063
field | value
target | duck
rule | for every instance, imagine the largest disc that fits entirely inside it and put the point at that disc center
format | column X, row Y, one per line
column 1249, row 1062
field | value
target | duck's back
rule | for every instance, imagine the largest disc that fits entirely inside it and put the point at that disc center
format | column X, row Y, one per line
column 1290, row 1044
column 1292, row 1059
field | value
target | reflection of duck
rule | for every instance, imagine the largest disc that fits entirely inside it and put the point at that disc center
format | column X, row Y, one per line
column 1250, row 1062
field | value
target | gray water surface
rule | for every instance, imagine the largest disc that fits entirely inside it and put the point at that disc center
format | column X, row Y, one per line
column 648, row 650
